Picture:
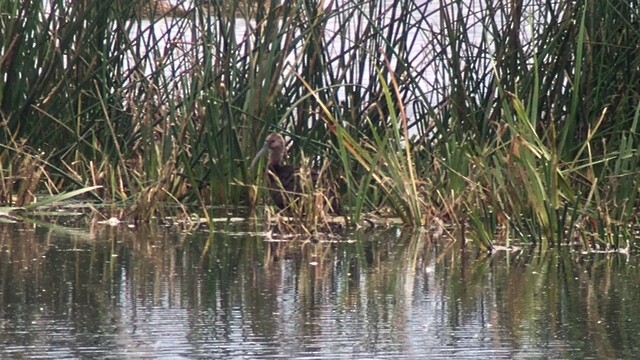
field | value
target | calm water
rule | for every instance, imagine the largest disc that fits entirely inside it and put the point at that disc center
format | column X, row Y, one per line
column 157, row 293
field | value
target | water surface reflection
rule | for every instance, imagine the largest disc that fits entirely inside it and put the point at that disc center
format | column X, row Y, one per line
column 151, row 292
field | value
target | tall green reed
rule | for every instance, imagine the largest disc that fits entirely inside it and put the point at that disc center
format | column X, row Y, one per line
column 502, row 113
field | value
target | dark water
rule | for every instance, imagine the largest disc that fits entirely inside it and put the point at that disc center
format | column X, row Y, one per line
column 120, row 293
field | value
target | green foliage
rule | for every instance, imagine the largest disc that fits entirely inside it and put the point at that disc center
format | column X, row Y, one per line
column 519, row 119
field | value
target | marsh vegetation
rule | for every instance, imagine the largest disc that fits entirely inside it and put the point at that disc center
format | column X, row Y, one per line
column 512, row 119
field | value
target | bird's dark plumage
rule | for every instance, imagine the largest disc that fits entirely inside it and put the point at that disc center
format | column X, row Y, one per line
column 285, row 185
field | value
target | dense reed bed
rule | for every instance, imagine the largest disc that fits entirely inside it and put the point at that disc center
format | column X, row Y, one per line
column 510, row 119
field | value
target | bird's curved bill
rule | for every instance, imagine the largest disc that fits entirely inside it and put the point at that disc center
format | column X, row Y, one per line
column 260, row 154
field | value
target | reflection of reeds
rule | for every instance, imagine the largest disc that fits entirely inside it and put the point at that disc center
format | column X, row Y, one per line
column 21, row 254
column 118, row 281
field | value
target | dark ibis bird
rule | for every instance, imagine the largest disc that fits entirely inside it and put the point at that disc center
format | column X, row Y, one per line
column 285, row 182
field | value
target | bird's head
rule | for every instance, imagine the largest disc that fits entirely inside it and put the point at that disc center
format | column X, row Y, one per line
column 274, row 143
